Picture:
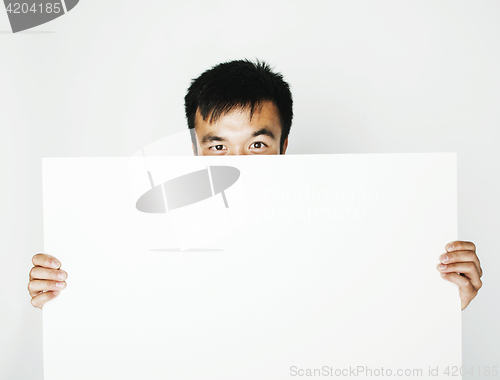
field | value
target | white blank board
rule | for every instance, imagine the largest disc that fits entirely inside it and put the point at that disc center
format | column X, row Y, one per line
column 320, row 263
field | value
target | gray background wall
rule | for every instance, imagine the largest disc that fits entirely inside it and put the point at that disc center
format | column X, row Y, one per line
column 367, row 76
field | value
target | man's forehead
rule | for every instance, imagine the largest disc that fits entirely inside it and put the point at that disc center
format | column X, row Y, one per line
column 241, row 123
column 245, row 110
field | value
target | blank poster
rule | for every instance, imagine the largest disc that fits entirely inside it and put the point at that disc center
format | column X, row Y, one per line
column 291, row 266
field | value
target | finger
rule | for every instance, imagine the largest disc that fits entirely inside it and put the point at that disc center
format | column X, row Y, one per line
column 47, row 261
column 467, row 290
column 37, row 286
column 460, row 246
column 42, row 298
column 467, row 268
column 461, row 256
column 40, row 273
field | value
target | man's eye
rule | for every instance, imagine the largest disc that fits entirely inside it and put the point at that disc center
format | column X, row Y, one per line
column 258, row 145
column 217, row 147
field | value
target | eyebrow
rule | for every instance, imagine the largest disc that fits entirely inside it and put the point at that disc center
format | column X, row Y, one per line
column 209, row 137
column 264, row 131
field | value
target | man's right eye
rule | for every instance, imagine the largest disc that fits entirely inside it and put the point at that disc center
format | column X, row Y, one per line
column 217, row 147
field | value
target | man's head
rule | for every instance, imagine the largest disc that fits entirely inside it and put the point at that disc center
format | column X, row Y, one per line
column 239, row 107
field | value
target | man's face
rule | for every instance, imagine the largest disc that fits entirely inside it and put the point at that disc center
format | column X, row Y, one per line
column 236, row 134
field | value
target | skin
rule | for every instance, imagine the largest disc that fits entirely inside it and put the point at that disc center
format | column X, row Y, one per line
column 235, row 134
column 461, row 258
column 47, row 279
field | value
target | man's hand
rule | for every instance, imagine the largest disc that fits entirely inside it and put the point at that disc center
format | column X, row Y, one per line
column 46, row 279
column 461, row 266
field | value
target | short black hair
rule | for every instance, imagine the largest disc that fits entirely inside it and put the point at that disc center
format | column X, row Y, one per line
column 238, row 84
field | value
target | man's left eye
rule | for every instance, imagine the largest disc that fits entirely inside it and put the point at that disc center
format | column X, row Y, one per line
column 258, row 145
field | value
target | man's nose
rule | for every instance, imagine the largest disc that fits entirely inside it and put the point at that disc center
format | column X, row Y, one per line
column 237, row 151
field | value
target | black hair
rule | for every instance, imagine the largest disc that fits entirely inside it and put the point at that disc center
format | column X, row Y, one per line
column 238, row 84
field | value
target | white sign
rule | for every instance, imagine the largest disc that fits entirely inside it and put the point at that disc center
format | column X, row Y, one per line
column 293, row 266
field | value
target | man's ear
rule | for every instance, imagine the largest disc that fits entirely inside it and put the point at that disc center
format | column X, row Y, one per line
column 285, row 145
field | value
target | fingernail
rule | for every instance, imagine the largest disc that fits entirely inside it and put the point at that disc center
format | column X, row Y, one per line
column 61, row 275
column 54, row 264
column 443, row 274
column 442, row 266
column 60, row 285
column 449, row 247
column 56, row 292
column 444, row 258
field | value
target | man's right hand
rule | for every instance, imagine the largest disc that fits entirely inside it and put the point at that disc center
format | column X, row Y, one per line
column 46, row 279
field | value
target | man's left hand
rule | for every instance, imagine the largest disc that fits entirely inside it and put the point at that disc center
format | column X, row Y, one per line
column 461, row 266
